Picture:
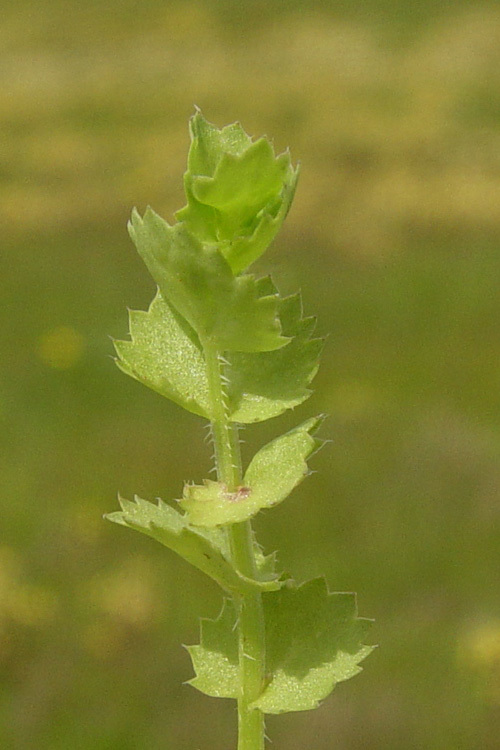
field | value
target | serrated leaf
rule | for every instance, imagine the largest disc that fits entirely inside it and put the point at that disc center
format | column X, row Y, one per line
column 266, row 564
column 206, row 549
column 314, row 640
column 238, row 191
column 215, row 660
column 242, row 251
column 264, row 384
column 225, row 311
column 165, row 354
column 272, row 474
column 209, row 142
column 241, row 186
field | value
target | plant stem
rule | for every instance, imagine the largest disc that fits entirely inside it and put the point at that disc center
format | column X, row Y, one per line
column 251, row 630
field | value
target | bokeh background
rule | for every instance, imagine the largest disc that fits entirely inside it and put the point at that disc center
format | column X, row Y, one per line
column 393, row 108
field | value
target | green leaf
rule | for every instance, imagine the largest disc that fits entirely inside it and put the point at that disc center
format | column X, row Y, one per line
column 264, row 384
column 241, row 186
column 215, row 660
column 314, row 640
column 165, row 354
column 272, row 474
column 209, row 143
column 238, row 191
column 206, row 549
column 225, row 311
column 266, row 565
column 244, row 250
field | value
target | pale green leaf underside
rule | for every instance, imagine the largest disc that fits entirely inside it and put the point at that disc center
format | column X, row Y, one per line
column 225, row 311
column 271, row 476
column 313, row 641
column 206, row 549
column 215, row 660
column 165, row 355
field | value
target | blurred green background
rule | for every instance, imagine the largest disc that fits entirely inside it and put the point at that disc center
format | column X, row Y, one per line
column 393, row 108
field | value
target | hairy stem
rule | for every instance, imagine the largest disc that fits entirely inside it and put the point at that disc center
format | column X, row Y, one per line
column 251, row 631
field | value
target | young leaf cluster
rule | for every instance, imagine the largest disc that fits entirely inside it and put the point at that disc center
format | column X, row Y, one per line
column 227, row 347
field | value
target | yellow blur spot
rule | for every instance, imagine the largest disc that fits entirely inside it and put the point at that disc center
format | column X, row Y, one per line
column 61, row 347
column 482, row 644
column 126, row 595
column 22, row 603
column 479, row 651
column 32, row 605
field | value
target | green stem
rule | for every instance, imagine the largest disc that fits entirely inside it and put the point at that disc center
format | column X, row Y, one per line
column 251, row 630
